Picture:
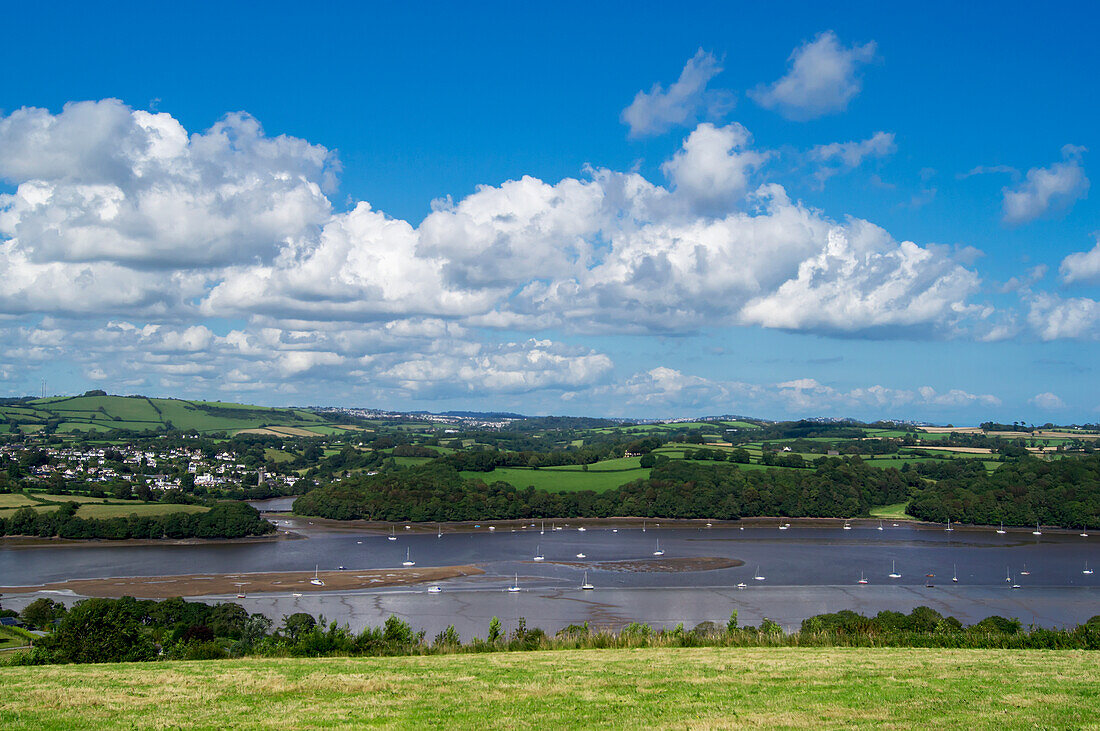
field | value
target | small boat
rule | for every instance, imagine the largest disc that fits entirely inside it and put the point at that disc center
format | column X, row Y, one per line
column 582, row 529
column 542, row 530
column 408, row 559
column 585, row 585
column 1087, row 569
column 492, row 527
column 862, row 578
column 1084, row 533
column 949, row 528
column 614, row 530
column 581, row 555
column 880, row 525
column 643, row 526
column 894, row 570
column 1001, row 530
column 658, row 552
column 784, row 526
column 1014, row 584
column 241, row 595
column 759, row 576
column 339, row 568
column 555, row 527
column 741, row 527
column 316, row 580
column 708, row 525
column 1008, row 575
column 358, row 543
column 392, row 536
column 435, row 589
column 1036, row 532
column 742, row 585
column 955, row 575
column 1025, row 571
column 439, row 531
column 847, row 526
column 895, row 525
column 408, row 527
column 538, row 555
column 296, row 595
column 515, row 586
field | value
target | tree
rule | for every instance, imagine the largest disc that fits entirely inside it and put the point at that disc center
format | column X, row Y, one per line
column 98, row 630
column 41, row 613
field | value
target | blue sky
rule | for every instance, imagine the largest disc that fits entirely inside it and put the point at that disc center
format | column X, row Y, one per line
column 778, row 210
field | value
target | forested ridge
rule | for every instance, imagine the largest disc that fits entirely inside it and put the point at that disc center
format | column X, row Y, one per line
column 224, row 520
column 1063, row 492
column 676, row 489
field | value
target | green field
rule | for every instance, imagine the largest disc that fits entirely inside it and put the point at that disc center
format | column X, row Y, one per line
column 122, row 509
column 607, row 465
column 138, row 413
column 892, row 512
column 646, row 688
column 553, row 480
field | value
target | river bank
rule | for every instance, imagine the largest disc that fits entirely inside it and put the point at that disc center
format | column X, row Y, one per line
column 190, row 585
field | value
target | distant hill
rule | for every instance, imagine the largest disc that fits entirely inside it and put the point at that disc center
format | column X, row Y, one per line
column 99, row 412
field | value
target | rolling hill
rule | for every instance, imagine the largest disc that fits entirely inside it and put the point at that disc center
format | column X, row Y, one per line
column 99, row 412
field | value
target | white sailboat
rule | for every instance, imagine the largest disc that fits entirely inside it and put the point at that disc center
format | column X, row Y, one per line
column 439, row 531
column 759, row 576
column 542, row 530
column 1087, row 569
column 784, row 526
column 643, row 526
column 955, row 575
column 949, row 528
column 408, row 559
column 658, row 552
column 515, row 586
column 742, row 585
column 880, row 525
column 1025, row 571
column 1008, row 575
column 582, row 529
column 1084, row 532
column 393, row 535
column 862, row 578
column 1001, row 530
column 316, row 580
column 435, row 589
column 585, row 585
column 538, row 555
column 1015, row 585
column 1036, row 532
column 847, row 526
column 581, row 555
column 894, row 570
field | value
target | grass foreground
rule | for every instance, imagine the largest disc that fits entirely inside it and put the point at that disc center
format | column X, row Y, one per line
column 682, row 687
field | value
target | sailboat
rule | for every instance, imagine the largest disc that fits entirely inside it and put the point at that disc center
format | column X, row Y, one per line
column 742, row 585
column 949, row 525
column 316, row 580
column 1084, row 533
column 439, row 531
column 1008, row 575
column 585, row 585
column 783, row 526
column 1087, row 569
column 847, row 526
column 1014, row 585
column 1025, row 571
column 880, row 525
column 515, row 586
column 643, row 526
column 1001, row 530
column 581, row 555
column 538, row 555
column 408, row 559
column 435, row 589
column 894, row 570
column 581, row 529
column 542, row 530
column 658, row 552
column 862, row 578
column 955, row 575
column 392, row 536
column 1036, row 532
column 759, row 576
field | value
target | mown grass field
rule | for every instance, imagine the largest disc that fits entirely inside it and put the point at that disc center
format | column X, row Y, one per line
column 681, row 688
column 892, row 512
column 556, row 480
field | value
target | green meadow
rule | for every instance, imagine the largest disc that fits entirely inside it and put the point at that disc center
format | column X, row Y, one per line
column 559, row 480
column 641, row 688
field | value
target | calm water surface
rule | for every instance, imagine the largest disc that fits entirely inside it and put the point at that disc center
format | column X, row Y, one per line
column 808, row 569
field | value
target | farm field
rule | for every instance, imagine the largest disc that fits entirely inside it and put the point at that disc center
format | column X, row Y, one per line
column 607, row 465
column 891, row 512
column 559, row 480
column 122, row 509
column 138, row 413
column 662, row 687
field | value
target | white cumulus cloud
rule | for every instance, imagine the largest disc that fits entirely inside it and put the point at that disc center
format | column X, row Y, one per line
column 1082, row 266
column 660, row 109
column 822, row 79
column 1047, row 190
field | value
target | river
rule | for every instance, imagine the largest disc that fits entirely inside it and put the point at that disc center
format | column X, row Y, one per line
column 809, row 568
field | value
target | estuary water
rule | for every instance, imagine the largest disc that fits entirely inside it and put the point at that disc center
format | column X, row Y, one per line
column 807, row 569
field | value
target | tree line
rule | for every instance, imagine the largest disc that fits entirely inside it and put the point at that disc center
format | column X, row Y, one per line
column 223, row 520
column 838, row 487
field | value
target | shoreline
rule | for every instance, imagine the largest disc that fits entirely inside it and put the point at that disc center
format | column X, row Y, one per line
column 192, row 585
column 55, row 542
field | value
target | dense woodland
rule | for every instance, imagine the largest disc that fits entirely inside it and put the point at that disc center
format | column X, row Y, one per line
column 1063, row 492
column 224, row 520
column 838, row 487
